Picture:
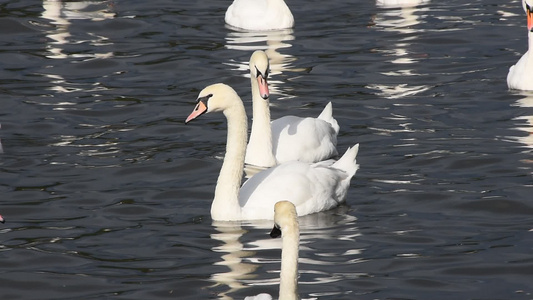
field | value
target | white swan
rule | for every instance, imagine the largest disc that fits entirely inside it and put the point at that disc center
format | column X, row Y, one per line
column 2, row 220
column 259, row 15
column 286, row 225
column 311, row 187
column 288, row 138
column 520, row 76
column 262, row 296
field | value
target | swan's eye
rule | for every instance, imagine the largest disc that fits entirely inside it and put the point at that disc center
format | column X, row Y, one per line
column 528, row 8
column 204, row 98
column 257, row 72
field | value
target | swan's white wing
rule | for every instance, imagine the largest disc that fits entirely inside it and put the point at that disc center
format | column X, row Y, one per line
column 259, row 15
column 242, row 12
column 520, row 76
column 310, row 188
column 303, row 139
column 262, row 296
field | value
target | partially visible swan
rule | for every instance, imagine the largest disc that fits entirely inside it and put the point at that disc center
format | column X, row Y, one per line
column 286, row 225
column 288, row 138
column 2, row 220
column 520, row 76
column 311, row 187
column 259, row 15
column 262, row 296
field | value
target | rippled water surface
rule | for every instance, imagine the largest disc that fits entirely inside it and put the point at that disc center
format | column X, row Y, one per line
column 107, row 193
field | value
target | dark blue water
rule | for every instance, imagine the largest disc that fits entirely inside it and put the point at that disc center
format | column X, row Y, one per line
column 107, row 193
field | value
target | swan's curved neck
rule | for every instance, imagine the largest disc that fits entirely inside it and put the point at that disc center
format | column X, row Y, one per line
column 288, row 288
column 225, row 205
column 260, row 145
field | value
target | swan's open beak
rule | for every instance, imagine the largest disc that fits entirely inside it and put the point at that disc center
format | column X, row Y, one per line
column 275, row 232
column 199, row 110
column 529, row 17
column 263, row 87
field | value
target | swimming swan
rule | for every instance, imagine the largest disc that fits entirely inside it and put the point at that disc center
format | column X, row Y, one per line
column 290, row 137
column 520, row 76
column 311, row 187
column 259, row 15
column 286, row 225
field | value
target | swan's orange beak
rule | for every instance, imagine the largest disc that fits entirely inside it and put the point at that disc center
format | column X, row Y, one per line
column 263, row 87
column 529, row 17
column 199, row 110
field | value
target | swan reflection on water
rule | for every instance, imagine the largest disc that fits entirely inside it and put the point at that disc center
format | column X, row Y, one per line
column 401, row 18
column 62, row 20
column 399, row 3
column 272, row 42
column 525, row 122
column 244, row 257
column 61, row 14
column 232, row 254
column 1, row 148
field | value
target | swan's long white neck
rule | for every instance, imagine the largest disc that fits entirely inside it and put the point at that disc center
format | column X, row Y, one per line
column 225, row 205
column 288, row 288
column 260, row 146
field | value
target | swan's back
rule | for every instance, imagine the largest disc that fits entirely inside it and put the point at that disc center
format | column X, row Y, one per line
column 259, row 15
column 262, row 296
column 303, row 139
column 327, row 115
column 310, row 187
column 520, row 75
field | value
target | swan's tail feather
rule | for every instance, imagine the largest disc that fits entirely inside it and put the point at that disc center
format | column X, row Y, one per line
column 327, row 115
column 348, row 161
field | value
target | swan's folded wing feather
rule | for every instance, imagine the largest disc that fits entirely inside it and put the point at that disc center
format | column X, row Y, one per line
column 288, row 181
column 262, row 296
column 304, row 139
column 310, row 188
column 244, row 10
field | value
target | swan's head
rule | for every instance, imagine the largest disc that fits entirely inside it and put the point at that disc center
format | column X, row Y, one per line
column 285, row 217
column 216, row 97
column 259, row 68
column 528, row 8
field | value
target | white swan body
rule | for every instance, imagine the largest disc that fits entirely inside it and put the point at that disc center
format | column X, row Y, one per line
column 520, row 76
column 262, row 296
column 310, row 187
column 286, row 224
column 305, row 139
column 259, row 15
column 288, row 138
